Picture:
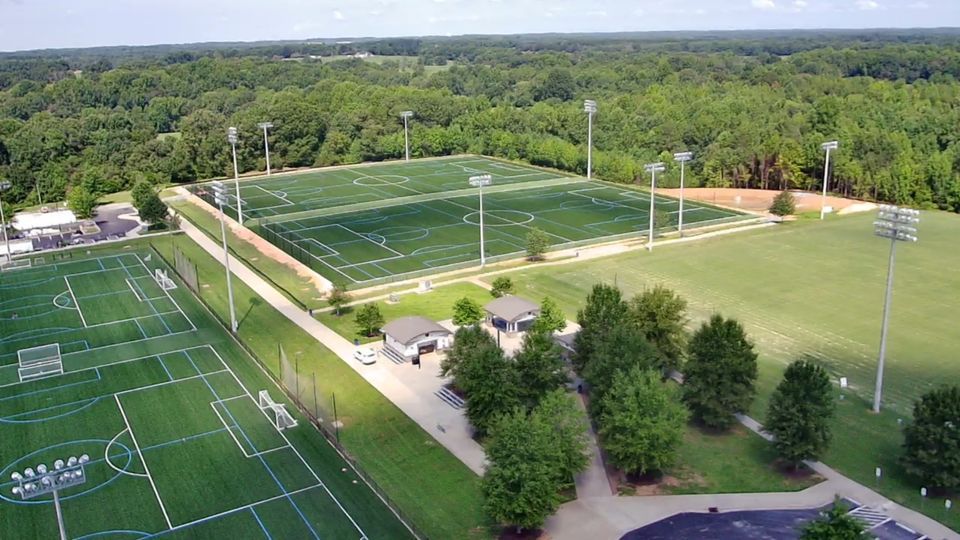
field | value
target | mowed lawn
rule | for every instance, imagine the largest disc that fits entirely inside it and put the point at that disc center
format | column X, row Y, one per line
column 814, row 289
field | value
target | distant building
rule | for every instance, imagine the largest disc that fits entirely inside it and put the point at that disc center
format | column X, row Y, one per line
column 511, row 314
column 408, row 338
column 363, row 54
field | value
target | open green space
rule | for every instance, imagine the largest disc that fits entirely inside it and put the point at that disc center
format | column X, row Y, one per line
column 814, row 289
column 436, row 491
column 436, row 305
column 166, row 405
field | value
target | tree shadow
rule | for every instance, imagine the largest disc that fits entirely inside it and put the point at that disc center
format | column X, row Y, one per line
column 256, row 301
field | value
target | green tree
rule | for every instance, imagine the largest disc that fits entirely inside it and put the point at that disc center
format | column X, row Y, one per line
column 663, row 220
column 620, row 349
column 661, row 316
column 141, row 191
column 800, row 411
column 153, row 210
column 490, row 381
column 520, row 484
column 720, row 372
column 557, row 83
column 537, row 244
column 641, row 421
column 784, row 204
column 369, row 320
column 501, row 286
column 932, row 440
column 82, row 202
column 467, row 311
column 567, row 427
column 604, row 310
column 539, row 364
column 466, row 340
column 550, row 319
column 835, row 524
column 338, row 297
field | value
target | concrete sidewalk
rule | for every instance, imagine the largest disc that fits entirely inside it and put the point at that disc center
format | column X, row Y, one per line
column 408, row 389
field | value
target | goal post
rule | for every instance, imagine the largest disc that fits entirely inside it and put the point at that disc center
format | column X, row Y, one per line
column 162, row 279
column 40, row 361
column 277, row 411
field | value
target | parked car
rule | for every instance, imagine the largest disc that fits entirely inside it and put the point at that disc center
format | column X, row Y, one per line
column 365, row 355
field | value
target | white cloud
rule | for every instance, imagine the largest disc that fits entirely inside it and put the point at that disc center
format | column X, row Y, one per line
column 919, row 5
column 800, row 4
column 597, row 13
column 763, row 4
column 867, row 5
column 639, row 12
column 338, row 15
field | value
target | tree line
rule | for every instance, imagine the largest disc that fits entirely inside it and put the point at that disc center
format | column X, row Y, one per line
column 751, row 120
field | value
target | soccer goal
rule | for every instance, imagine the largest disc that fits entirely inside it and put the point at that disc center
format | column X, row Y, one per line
column 15, row 264
column 164, row 280
column 37, row 362
column 281, row 418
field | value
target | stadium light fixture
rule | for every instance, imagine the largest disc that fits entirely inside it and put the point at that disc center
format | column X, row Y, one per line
column 478, row 182
column 406, row 115
column 683, row 158
column 232, row 138
column 589, row 107
column 897, row 224
column 827, row 147
column 266, row 145
column 4, row 185
column 220, row 196
column 34, row 483
column 653, row 169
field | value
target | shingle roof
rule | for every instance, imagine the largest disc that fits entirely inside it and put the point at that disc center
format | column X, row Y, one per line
column 510, row 307
column 407, row 329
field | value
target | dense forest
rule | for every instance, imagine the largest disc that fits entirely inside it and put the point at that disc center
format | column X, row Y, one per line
column 753, row 107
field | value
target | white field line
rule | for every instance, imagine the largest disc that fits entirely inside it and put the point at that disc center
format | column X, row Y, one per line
column 144, row 461
column 135, row 293
column 193, row 327
column 106, row 457
column 80, row 311
column 294, row 448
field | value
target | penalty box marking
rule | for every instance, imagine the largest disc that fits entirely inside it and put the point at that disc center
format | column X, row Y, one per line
column 214, row 403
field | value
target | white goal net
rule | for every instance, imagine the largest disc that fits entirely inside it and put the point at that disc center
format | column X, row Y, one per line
column 37, row 362
column 163, row 279
column 281, row 418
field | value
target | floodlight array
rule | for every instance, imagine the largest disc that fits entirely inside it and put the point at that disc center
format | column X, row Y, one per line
column 589, row 106
column 683, row 156
column 481, row 180
column 831, row 145
column 232, row 135
column 265, row 125
column 34, row 483
column 654, row 167
column 220, row 193
column 897, row 223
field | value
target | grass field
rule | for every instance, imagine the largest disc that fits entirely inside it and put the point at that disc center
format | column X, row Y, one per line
column 164, row 403
column 815, row 290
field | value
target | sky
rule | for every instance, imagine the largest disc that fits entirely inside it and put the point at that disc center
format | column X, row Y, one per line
column 34, row 24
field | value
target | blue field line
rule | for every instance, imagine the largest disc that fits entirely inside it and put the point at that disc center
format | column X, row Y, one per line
column 54, row 389
column 164, row 366
column 87, row 403
column 140, row 534
column 40, row 332
column 185, row 439
column 254, row 447
column 149, row 301
column 18, row 301
column 255, row 516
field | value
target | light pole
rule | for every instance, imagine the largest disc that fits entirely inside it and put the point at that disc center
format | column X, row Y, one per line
column 220, row 195
column 478, row 182
column 232, row 137
column 897, row 224
column 827, row 147
column 266, row 145
column 406, row 115
column 683, row 158
column 4, row 185
column 653, row 169
column 33, row 484
column 589, row 107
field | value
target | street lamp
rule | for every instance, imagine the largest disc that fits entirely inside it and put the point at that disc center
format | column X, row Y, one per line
column 232, row 137
column 653, row 169
column 683, row 158
column 4, row 185
column 406, row 115
column 34, row 483
column 220, row 196
column 266, row 145
column 897, row 224
column 589, row 107
column 827, row 147
column 478, row 182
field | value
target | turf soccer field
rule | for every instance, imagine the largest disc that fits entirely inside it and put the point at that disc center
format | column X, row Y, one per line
column 166, row 407
column 373, row 223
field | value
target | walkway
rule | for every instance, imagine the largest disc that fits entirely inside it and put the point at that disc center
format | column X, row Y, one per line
column 408, row 388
